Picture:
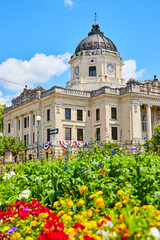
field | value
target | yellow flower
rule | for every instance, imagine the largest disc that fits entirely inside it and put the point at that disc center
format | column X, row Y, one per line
column 126, row 182
column 136, row 208
column 28, row 238
column 126, row 199
column 61, row 213
column 70, row 203
column 96, row 211
column 28, row 230
column 71, row 237
column 138, row 235
column 119, row 192
column 100, row 202
column 55, row 204
column 92, row 196
column 70, row 213
column 129, row 190
column 90, row 224
column 83, row 188
column 118, row 204
column 122, row 226
column 84, row 213
column 150, row 207
column 81, row 202
column 89, row 213
column 16, row 236
column 153, row 223
column 66, row 218
column 5, row 229
column 99, row 193
column 121, row 217
column 34, row 223
column 62, row 202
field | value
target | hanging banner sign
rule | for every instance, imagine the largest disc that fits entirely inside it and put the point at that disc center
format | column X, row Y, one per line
column 46, row 145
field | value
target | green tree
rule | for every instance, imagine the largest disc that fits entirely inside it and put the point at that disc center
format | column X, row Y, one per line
column 12, row 143
column 2, row 107
column 156, row 139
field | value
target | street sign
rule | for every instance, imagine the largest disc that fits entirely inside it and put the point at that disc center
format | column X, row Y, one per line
column 54, row 140
column 54, row 131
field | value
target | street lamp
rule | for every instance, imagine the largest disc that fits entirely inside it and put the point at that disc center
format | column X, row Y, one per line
column 38, row 119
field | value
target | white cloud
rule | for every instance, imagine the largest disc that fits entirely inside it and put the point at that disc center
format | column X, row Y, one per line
column 39, row 69
column 5, row 99
column 129, row 70
column 68, row 3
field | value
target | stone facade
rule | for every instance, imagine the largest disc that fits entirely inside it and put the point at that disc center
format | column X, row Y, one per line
column 96, row 103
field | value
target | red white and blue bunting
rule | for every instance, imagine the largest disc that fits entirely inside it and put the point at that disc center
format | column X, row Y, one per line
column 64, row 144
column 46, row 145
column 79, row 144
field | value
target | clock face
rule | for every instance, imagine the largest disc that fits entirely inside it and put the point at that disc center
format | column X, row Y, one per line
column 77, row 70
column 110, row 68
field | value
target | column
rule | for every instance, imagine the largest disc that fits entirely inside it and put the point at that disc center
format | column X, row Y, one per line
column 16, row 127
column 30, row 128
column 149, row 126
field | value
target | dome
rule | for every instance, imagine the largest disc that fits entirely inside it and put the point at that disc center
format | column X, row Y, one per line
column 96, row 40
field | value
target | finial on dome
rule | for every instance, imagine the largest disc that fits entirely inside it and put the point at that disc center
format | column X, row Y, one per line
column 96, row 18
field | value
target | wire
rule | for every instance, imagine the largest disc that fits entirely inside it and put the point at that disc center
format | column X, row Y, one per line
column 13, row 82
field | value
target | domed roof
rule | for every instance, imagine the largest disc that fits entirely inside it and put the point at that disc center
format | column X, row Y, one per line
column 96, row 40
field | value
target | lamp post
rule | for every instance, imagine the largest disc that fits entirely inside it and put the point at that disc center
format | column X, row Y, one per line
column 38, row 119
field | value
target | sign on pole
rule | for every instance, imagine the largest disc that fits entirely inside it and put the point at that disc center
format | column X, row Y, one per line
column 54, row 131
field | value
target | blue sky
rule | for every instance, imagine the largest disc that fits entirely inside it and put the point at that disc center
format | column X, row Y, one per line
column 38, row 36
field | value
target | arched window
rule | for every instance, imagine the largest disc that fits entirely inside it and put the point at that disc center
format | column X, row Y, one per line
column 144, row 123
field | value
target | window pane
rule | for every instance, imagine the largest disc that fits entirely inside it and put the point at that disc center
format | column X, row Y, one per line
column 79, row 134
column 9, row 127
column 89, row 113
column 48, row 134
column 97, row 114
column 98, row 137
column 114, row 133
column 79, row 115
column 92, row 71
column 67, row 133
column 48, row 115
column 113, row 113
column 67, row 113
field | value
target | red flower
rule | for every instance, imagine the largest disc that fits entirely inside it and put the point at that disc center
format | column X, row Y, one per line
column 88, row 238
column 78, row 225
column 125, row 237
column 53, row 236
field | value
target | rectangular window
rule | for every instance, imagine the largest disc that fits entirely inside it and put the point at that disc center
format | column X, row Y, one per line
column 19, row 124
column 97, row 114
column 79, row 134
column 114, row 113
column 98, row 136
column 26, row 140
column 89, row 113
column 114, row 133
column 79, row 115
column 48, row 114
column 67, row 113
column 9, row 127
column 26, row 122
column 92, row 71
column 34, row 119
column 67, row 133
column 33, row 137
column 48, row 134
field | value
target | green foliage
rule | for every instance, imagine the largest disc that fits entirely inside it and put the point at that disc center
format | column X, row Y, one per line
column 2, row 107
column 11, row 143
column 156, row 139
column 98, row 169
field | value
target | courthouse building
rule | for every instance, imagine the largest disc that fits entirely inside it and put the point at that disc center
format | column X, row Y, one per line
column 97, row 103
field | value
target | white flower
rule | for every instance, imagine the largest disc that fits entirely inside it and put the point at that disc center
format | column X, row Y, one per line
column 24, row 194
column 8, row 175
column 106, row 234
column 154, row 232
column 108, row 224
column 38, row 178
column 49, row 183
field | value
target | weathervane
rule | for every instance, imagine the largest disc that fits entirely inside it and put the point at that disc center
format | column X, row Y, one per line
column 96, row 18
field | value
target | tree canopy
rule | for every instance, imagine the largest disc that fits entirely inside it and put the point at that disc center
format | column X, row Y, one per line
column 2, row 107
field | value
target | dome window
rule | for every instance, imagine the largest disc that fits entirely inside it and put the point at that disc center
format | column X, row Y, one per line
column 92, row 61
